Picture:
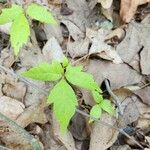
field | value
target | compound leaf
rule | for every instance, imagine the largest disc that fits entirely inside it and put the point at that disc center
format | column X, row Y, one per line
column 19, row 33
column 95, row 112
column 45, row 72
column 9, row 14
column 65, row 102
column 77, row 77
column 40, row 13
column 107, row 106
column 97, row 96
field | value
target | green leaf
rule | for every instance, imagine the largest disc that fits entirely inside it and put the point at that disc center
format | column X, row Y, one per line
column 79, row 78
column 65, row 102
column 65, row 62
column 40, row 13
column 107, row 106
column 97, row 96
column 19, row 33
column 95, row 112
column 45, row 72
column 9, row 14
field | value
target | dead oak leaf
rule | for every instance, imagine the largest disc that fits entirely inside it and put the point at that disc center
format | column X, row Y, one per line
column 129, row 7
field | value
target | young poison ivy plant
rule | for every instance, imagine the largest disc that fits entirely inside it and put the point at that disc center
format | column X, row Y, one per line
column 101, row 104
column 62, row 96
column 20, row 30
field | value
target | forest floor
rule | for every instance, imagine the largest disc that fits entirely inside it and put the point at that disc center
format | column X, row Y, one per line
column 111, row 39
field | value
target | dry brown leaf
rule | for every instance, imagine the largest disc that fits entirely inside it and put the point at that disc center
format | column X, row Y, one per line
column 130, row 45
column 74, row 31
column 143, row 121
column 78, row 48
column 53, row 31
column 52, row 50
column 100, row 48
column 14, row 90
column 102, row 137
column 7, row 58
column 119, row 75
column 34, row 113
column 128, row 8
column 66, row 139
column 78, row 127
column 144, row 94
column 11, row 107
column 80, row 13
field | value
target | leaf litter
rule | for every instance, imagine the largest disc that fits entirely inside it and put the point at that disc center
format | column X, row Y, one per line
column 120, row 54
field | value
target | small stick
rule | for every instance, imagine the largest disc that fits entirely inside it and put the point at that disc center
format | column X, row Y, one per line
column 115, row 98
column 21, row 131
column 77, row 110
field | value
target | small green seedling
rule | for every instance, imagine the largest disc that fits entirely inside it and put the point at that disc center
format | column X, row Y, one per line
column 20, row 30
column 101, row 104
column 62, row 96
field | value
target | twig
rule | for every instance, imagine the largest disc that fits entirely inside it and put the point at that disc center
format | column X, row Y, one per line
column 77, row 110
column 21, row 131
column 108, row 125
column 115, row 98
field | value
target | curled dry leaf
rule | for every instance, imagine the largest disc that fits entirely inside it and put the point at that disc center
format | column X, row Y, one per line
column 129, row 7
column 74, row 31
column 116, row 36
column 100, row 48
column 102, row 137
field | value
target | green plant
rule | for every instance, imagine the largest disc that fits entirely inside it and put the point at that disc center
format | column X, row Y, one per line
column 101, row 104
column 20, row 30
column 62, row 96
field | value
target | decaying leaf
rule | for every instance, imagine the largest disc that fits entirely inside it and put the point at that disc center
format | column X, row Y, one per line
column 100, row 48
column 14, row 90
column 119, row 75
column 74, row 31
column 78, row 48
column 7, row 106
column 53, row 31
column 130, row 45
column 144, row 94
column 80, row 13
column 52, row 50
column 128, row 8
column 34, row 113
column 102, row 137
column 66, row 139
